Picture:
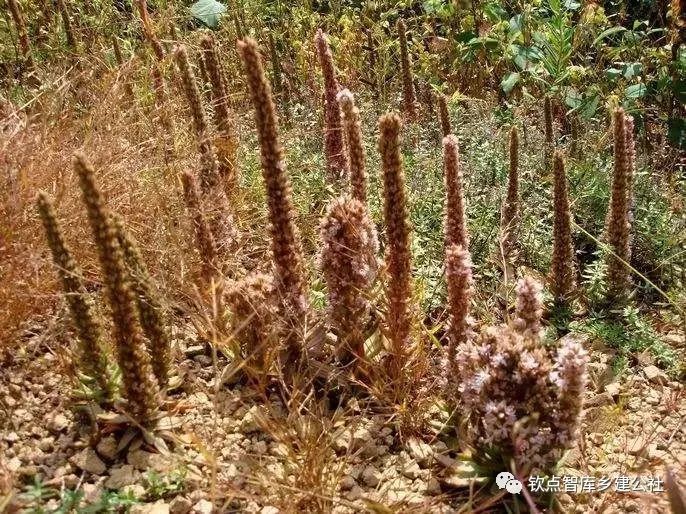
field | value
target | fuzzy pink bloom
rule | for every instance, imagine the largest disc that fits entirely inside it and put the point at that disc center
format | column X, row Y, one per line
column 458, row 273
column 455, row 217
column 528, row 309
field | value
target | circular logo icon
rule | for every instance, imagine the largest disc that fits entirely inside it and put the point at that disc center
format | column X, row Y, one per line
column 503, row 478
column 514, row 486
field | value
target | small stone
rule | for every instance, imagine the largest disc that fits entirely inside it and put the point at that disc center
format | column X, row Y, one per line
column 88, row 460
column 180, row 505
column 159, row 507
column 269, row 509
column 354, row 494
column 46, row 444
column 194, row 350
column 203, row 507
column 347, row 483
column 655, row 375
column 360, row 437
column 250, row 421
column 612, row 389
column 420, row 451
column 411, row 470
column 143, row 460
column 12, row 437
column 596, row 439
column 58, row 423
column 135, row 490
column 260, row 447
column 600, row 400
column 121, row 477
column 371, row 476
column 433, row 487
column 107, row 447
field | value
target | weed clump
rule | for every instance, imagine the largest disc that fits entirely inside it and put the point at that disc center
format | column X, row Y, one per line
column 140, row 387
column 348, row 262
column 336, row 163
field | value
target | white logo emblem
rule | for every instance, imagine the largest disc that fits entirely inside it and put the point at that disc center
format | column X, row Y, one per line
column 506, row 480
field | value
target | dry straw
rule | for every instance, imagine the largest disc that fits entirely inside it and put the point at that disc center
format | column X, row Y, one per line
column 455, row 221
column 443, row 114
column 93, row 351
column 409, row 98
column 287, row 256
column 353, row 136
column 150, row 310
column 458, row 274
column 618, row 226
column 562, row 272
column 336, row 164
column 204, row 241
column 140, row 387
column 398, row 254
column 226, row 141
column 348, row 262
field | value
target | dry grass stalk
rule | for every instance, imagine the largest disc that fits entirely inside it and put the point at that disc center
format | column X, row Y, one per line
column 140, row 387
column 548, row 132
column 128, row 89
column 24, row 42
column 409, row 98
column 287, row 255
column 204, row 241
column 618, row 226
column 528, row 309
column 458, row 274
column 562, row 272
column 226, row 142
column 348, row 262
column 509, row 218
column 455, row 218
column 443, row 114
column 398, row 252
column 353, row 136
column 150, row 310
column 66, row 23
column 336, row 164
column 93, row 354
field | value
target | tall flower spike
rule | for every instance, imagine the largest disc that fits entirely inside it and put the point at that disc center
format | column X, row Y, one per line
column 353, row 135
column 66, row 23
column 510, row 210
column 409, row 98
column 140, row 387
column 563, row 269
column 444, row 115
column 287, row 253
column 24, row 42
column 204, row 242
column 398, row 253
column 618, row 227
column 631, row 164
column 570, row 376
column 226, row 141
column 455, row 220
column 528, row 309
column 150, row 310
column 347, row 260
column 458, row 274
column 336, row 165
column 548, row 129
column 93, row 351
column 162, row 107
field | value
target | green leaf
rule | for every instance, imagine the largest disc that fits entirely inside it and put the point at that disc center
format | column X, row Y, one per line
column 613, row 73
column 606, row 33
column 635, row 91
column 679, row 88
column 510, row 82
column 208, row 12
column 632, row 70
column 676, row 132
column 574, row 99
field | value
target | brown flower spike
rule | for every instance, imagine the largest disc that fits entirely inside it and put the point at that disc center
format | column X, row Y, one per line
column 528, row 309
column 287, row 256
column 398, row 254
column 549, row 136
column 458, row 274
column 140, row 387
column 336, row 164
column 562, row 268
column 509, row 219
column 204, row 242
column 409, row 98
column 455, row 220
column 353, row 136
column 444, row 115
column 93, row 351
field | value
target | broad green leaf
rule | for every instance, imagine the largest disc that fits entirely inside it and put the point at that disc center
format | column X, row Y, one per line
column 510, row 82
column 632, row 70
column 606, row 33
column 613, row 73
column 208, row 12
column 635, row 91
column 573, row 99
column 676, row 132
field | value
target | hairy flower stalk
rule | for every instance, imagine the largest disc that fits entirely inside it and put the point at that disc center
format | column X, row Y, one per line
column 24, row 42
column 348, row 262
column 398, row 253
column 93, row 353
column 409, row 98
column 509, row 217
column 528, row 309
column 226, row 142
column 443, row 114
column 455, row 220
column 548, row 128
column 149, row 31
column 631, row 164
column 204, row 241
column 150, row 310
column 213, row 195
column 66, row 23
column 140, row 387
column 336, row 163
column 458, row 274
column 618, row 226
column 562, row 270
column 287, row 255
column 353, row 136
column 162, row 105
